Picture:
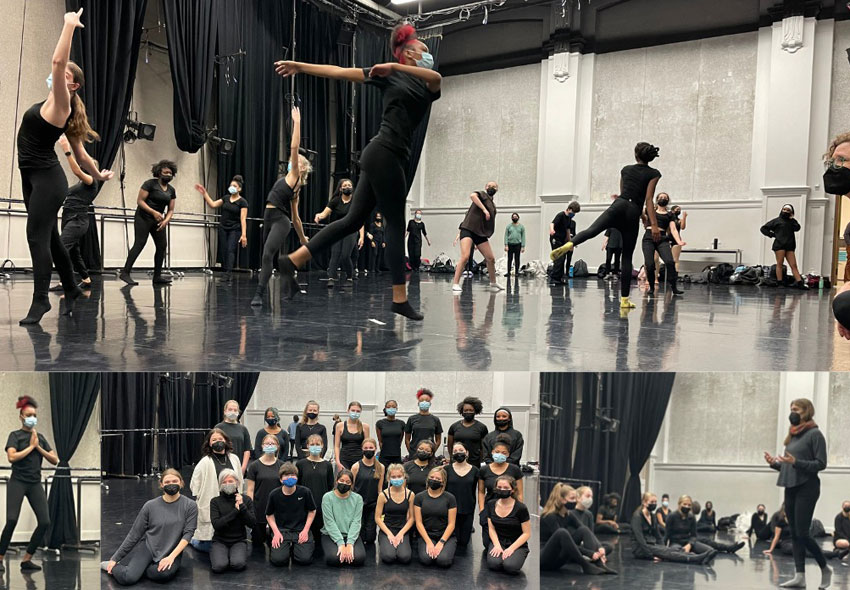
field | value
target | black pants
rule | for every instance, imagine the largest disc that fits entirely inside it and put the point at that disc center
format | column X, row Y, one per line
column 673, row 554
column 229, row 240
column 143, row 226
column 762, row 531
column 561, row 266
column 362, row 255
column 463, row 529
column 614, row 253
column 382, row 184
column 376, row 258
column 330, row 548
column 16, row 491
column 607, row 529
column 560, row 550
column 662, row 246
column 259, row 535
column 388, row 460
column 800, row 504
column 514, row 250
column 139, row 563
column 368, row 526
column 511, row 565
column 276, row 227
column 44, row 192
column 75, row 225
column 841, row 308
column 341, row 253
column 414, row 251
column 402, row 554
column 224, row 557
column 584, row 537
column 623, row 215
column 444, row 559
column 290, row 548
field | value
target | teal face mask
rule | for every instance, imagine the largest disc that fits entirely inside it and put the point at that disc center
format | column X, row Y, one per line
column 396, row 483
column 269, row 449
column 499, row 457
column 390, row 411
column 424, row 406
column 315, row 450
column 427, row 61
column 354, row 415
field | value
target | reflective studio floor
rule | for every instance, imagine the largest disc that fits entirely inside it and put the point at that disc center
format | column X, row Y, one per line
column 73, row 571
column 748, row 569
column 200, row 323
column 469, row 569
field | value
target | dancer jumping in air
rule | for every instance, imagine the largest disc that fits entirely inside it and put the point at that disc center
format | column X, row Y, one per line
column 42, row 179
column 408, row 88
column 637, row 188
column 282, row 213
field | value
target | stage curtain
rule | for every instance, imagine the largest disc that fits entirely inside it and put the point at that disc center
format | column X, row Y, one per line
column 129, row 402
column 250, row 101
column 107, row 50
column 372, row 47
column 190, row 26
column 557, row 432
column 72, row 399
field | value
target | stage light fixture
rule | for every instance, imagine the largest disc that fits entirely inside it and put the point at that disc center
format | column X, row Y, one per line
column 138, row 130
column 224, row 146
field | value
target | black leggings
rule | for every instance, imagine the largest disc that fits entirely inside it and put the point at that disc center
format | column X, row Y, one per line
column 622, row 215
column 514, row 250
column 144, row 225
column 662, row 246
column 341, row 257
column 560, row 550
column 382, row 184
column 376, row 257
column 799, row 508
column 463, row 529
column 44, row 192
column 229, row 240
column 841, row 308
column 74, row 228
column 16, row 491
column 615, row 254
column 276, row 227
column 139, row 563
column 414, row 252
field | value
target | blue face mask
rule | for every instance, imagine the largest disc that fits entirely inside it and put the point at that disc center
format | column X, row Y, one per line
column 397, row 483
column 391, row 411
column 30, row 421
column 49, row 81
column 427, row 61
column 424, row 406
column 354, row 415
column 270, row 449
column 232, row 190
column 499, row 457
column 315, row 450
column 571, row 214
column 289, row 481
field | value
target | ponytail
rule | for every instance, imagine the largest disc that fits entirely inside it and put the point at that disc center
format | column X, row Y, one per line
column 78, row 126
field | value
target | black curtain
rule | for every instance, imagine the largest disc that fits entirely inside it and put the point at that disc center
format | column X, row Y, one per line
column 129, row 402
column 107, row 50
column 190, row 26
column 371, row 47
column 72, row 399
column 433, row 44
column 557, row 390
column 344, row 114
column 250, row 100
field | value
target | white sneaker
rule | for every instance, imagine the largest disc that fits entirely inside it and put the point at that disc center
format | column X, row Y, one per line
column 456, row 288
column 496, row 287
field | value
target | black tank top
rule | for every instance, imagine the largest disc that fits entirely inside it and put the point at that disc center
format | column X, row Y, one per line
column 366, row 485
column 663, row 220
column 37, row 138
column 281, row 196
column 349, row 445
column 395, row 514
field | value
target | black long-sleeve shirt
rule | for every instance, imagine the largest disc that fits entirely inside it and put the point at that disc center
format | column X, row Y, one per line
column 644, row 534
column 228, row 522
column 705, row 518
column 842, row 527
column 681, row 529
column 517, row 444
column 758, row 522
column 782, row 231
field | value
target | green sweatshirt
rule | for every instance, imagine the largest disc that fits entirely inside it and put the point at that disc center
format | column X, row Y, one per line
column 515, row 234
column 342, row 517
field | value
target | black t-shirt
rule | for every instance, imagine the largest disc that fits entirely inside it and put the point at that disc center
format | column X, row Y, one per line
column 471, row 436
column 158, row 200
column 28, row 469
column 781, row 523
column 239, row 437
column 377, row 232
column 304, row 431
column 562, row 223
column 416, row 229
column 508, row 528
column 265, row 480
column 423, row 427
column 231, row 212
column 338, row 207
column 489, row 478
column 635, row 179
column 406, row 100
column 463, row 488
column 80, row 196
column 417, row 476
column 290, row 511
column 316, row 475
column 435, row 512
column 392, row 431
column 615, row 239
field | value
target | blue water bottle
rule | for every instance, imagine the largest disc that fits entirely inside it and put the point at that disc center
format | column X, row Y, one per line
column 571, row 271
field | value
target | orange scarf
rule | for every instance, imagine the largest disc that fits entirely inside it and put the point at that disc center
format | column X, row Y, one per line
column 801, row 428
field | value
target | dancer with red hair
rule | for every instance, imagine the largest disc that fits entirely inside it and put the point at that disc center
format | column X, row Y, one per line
column 408, row 87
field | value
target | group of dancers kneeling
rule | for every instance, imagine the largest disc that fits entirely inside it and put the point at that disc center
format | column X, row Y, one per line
column 313, row 511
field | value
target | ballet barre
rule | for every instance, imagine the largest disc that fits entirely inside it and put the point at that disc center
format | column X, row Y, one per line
column 151, row 434
column 738, row 254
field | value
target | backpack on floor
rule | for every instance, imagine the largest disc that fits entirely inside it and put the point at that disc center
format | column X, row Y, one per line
column 720, row 274
column 817, row 529
column 727, row 522
column 580, row 269
column 744, row 275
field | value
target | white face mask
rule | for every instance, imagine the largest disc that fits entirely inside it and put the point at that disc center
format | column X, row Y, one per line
column 231, row 415
column 587, row 503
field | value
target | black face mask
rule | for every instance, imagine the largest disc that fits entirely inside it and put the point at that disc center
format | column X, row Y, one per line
column 166, row 178
column 271, row 421
column 171, row 488
column 846, row 509
column 501, row 423
column 570, row 505
column 312, row 415
column 218, row 446
column 378, row 220
column 785, row 215
column 794, row 418
column 663, row 202
column 469, row 416
column 502, row 493
column 346, row 191
column 423, row 455
column 836, row 182
column 652, row 507
column 369, row 454
column 459, row 457
column 761, row 511
column 343, row 488
column 684, row 510
column 514, row 219
column 491, row 191
column 435, row 484
column 708, row 508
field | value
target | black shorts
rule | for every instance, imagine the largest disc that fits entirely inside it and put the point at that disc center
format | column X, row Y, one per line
column 476, row 239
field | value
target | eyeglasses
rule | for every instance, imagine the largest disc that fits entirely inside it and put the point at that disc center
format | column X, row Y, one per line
column 836, row 163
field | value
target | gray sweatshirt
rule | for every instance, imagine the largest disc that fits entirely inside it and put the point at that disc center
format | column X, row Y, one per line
column 809, row 450
column 162, row 525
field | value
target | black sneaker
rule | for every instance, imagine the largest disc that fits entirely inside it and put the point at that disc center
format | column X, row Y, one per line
column 125, row 276
column 29, row 566
column 56, row 288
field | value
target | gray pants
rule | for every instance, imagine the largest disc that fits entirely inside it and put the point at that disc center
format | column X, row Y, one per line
column 139, row 563
column 224, row 557
column 290, row 548
column 402, row 554
column 444, row 559
column 511, row 565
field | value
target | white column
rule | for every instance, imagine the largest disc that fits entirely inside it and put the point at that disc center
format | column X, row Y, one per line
column 370, row 390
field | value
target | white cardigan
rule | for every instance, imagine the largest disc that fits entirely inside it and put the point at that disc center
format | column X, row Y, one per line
column 204, row 487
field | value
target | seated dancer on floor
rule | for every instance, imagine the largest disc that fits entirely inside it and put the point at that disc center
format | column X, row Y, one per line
column 648, row 541
column 582, row 512
column 607, row 518
column 682, row 532
column 394, row 518
column 759, row 524
column 154, row 546
column 564, row 540
column 435, row 514
column 290, row 513
column 510, row 528
column 231, row 514
column 342, row 511
column 782, row 538
column 841, row 534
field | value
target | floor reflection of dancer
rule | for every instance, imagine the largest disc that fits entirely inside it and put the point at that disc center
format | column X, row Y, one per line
column 637, row 188
column 43, row 181
column 408, row 88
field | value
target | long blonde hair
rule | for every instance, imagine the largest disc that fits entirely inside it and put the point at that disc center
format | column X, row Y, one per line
column 78, row 126
column 559, row 491
column 808, row 413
